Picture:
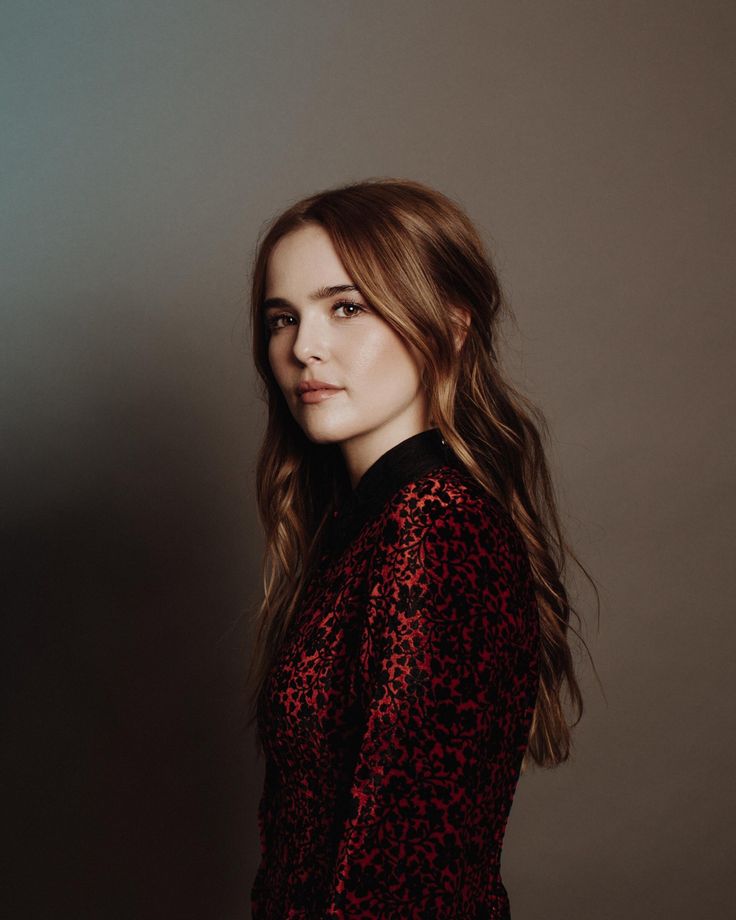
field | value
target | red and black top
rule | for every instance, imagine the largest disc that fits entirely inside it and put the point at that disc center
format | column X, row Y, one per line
column 396, row 712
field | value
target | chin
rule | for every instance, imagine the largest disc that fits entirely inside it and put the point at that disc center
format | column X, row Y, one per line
column 323, row 429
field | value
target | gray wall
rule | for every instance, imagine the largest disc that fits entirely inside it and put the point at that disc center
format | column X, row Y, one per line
column 143, row 146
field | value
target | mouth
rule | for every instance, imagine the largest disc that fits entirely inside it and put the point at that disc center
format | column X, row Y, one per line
column 318, row 396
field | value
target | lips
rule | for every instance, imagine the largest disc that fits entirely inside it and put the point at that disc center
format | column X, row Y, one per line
column 319, row 395
column 306, row 385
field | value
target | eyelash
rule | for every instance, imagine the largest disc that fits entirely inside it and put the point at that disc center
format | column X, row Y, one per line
column 271, row 321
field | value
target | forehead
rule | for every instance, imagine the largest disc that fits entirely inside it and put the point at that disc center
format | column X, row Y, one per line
column 302, row 261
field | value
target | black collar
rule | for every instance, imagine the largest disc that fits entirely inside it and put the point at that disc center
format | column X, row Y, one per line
column 403, row 463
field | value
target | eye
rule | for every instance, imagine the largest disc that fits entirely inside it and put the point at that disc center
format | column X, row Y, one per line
column 273, row 323
column 349, row 304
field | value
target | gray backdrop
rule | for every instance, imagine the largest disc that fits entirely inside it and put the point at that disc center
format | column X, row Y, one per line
column 144, row 144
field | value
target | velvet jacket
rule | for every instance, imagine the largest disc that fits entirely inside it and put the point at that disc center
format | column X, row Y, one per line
column 397, row 710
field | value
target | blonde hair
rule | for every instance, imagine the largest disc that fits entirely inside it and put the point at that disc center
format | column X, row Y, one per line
column 414, row 254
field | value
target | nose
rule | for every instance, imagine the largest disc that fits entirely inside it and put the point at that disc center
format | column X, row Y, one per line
column 310, row 341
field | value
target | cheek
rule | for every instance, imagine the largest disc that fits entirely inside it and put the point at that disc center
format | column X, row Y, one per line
column 381, row 357
column 275, row 355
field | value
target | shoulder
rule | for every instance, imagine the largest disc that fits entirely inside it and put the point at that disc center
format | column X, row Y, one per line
column 447, row 509
column 449, row 552
column 444, row 500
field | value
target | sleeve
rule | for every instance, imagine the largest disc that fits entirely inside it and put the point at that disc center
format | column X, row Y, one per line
column 436, row 649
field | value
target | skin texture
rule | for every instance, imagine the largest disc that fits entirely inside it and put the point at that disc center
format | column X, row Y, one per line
column 382, row 401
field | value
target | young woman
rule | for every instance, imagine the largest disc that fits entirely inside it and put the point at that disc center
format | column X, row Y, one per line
column 411, row 645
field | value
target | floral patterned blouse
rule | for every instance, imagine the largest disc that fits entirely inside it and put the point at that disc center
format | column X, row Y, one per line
column 397, row 710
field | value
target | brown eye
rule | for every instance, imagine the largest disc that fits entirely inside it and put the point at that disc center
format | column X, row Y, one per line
column 273, row 321
column 359, row 308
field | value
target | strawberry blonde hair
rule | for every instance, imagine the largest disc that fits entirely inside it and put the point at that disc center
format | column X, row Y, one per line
column 414, row 254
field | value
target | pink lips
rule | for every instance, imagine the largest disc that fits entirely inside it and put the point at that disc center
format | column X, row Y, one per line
column 315, row 396
column 313, row 391
column 314, row 384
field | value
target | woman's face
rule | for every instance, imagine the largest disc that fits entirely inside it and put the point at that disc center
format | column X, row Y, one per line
column 334, row 337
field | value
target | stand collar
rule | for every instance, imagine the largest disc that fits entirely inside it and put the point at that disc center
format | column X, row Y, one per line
column 401, row 464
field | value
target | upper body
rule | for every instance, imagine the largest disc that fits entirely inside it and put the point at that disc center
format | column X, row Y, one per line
column 397, row 710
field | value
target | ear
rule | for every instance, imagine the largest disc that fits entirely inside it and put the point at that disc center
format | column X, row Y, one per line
column 461, row 320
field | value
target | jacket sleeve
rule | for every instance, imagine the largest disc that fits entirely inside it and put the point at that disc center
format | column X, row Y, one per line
column 443, row 633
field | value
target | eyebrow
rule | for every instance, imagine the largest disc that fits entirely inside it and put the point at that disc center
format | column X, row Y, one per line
column 322, row 294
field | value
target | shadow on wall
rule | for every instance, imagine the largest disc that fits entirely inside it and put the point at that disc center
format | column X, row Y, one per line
column 124, row 756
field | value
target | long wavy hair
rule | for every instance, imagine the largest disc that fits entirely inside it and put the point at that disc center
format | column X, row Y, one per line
column 414, row 253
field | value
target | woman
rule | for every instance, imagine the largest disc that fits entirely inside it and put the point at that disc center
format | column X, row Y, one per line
column 412, row 642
